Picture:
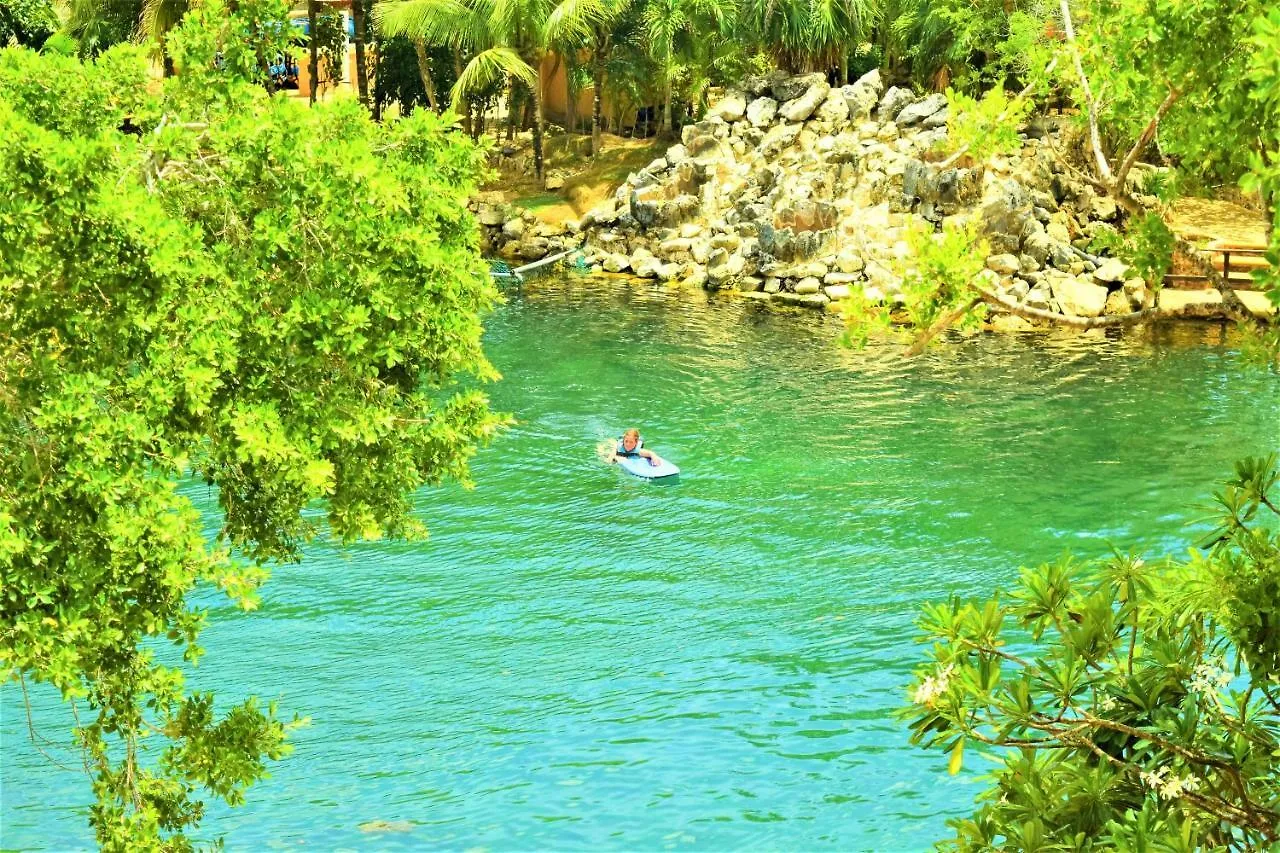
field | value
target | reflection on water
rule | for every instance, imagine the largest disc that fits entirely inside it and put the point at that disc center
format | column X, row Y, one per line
column 578, row 658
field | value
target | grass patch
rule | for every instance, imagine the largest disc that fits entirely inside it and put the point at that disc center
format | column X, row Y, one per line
column 533, row 202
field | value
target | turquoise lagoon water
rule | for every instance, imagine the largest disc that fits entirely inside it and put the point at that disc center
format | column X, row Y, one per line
column 581, row 660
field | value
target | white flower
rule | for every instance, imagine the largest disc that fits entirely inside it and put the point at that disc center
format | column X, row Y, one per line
column 1209, row 679
column 1169, row 785
column 1107, row 703
column 933, row 686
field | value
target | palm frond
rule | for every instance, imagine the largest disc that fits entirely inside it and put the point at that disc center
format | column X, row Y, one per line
column 436, row 22
column 489, row 67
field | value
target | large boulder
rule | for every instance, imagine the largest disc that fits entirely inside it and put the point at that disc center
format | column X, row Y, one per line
column 834, row 109
column 1112, row 271
column 731, row 107
column 893, row 101
column 1078, row 296
column 921, row 110
column 786, row 88
column 860, row 100
column 616, row 262
column 761, row 112
column 872, row 82
column 1006, row 207
column 799, row 109
column 724, row 266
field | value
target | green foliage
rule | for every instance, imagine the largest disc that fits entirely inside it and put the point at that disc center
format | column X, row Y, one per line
column 939, row 277
column 986, row 126
column 331, row 46
column 1134, row 702
column 975, row 44
column 808, row 36
column 27, row 23
column 274, row 299
column 1146, row 245
column 97, row 25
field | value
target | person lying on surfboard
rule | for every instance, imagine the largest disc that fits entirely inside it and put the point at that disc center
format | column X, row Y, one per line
column 632, row 445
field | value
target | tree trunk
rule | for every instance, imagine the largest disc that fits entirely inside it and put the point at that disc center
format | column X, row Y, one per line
column 597, row 105
column 570, row 95
column 667, row 127
column 511, row 110
column 537, row 130
column 313, row 64
column 424, row 71
column 362, row 73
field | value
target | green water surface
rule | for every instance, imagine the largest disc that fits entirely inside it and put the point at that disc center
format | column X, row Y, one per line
column 578, row 659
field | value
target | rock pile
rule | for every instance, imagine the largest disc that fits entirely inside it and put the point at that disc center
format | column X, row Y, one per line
column 795, row 191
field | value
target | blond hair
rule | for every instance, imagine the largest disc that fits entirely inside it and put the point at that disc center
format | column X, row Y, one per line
column 632, row 431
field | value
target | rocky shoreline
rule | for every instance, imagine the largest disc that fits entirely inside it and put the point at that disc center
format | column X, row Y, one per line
column 795, row 192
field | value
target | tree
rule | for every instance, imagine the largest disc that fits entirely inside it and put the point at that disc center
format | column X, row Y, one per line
column 673, row 31
column 1135, row 701
column 27, row 22
column 589, row 25
column 275, row 299
column 808, row 36
column 504, row 40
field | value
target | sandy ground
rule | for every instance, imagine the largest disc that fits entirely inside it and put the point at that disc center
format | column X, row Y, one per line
column 1203, row 220
column 587, row 181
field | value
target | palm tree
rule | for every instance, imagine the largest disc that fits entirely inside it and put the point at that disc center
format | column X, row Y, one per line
column 809, row 35
column 589, row 24
column 675, row 30
column 490, row 32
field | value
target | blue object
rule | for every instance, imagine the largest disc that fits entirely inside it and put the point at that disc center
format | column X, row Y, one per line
column 640, row 467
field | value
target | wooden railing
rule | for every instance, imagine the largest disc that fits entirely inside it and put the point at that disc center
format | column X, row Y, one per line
column 1236, row 261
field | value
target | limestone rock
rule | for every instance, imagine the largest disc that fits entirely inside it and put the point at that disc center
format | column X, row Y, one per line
column 834, row 278
column 553, row 182
column 799, row 109
column 724, row 266
column 1038, row 298
column 921, row 110
column 1078, row 296
column 804, row 300
column 616, row 262
column 1103, row 207
column 786, row 88
column 836, row 292
column 1003, row 264
column 849, row 261
column 1112, row 271
column 871, row 81
column 513, row 229
column 491, row 214
column 1037, row 245
column 893, row 101
column 779, row 137
column 937, row 120
column 729, row 108
column 1139, row 294
column 1117, row 303
column 762, row 111
column 676, row 153
column 808, row 284
column 834, row 108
